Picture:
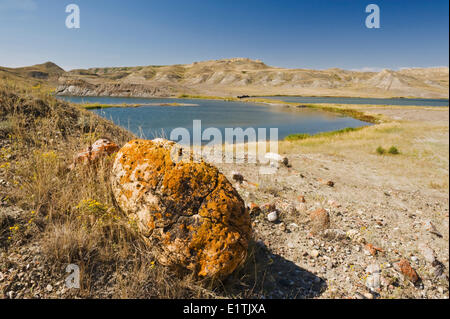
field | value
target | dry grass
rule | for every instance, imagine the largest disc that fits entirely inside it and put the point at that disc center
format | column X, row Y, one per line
column 71, row 214
column 423, row 147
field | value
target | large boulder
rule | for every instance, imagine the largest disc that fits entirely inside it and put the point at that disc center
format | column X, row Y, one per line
column 187, row 210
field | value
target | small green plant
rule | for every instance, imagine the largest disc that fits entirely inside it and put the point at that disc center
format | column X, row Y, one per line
column 296, row 137
column 381, row 150
column 393, row 150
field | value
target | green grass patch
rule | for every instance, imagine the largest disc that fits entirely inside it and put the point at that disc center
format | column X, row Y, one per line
column 393, row 150
column 380, row 150
column 91, row 106
column 347, row 112
column 302, row 136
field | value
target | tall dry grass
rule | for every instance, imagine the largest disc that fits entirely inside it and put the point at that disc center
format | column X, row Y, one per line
column 71, row 215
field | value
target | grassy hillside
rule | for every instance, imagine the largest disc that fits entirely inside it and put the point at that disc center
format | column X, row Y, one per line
column 52, row 216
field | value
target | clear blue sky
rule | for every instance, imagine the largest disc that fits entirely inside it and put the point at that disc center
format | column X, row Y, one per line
column 315, row 34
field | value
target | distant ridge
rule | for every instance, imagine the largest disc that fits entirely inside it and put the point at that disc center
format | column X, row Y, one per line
column 239, row 76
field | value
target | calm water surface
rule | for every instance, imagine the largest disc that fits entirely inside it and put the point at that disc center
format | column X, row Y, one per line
column 354, row 100
column 154, row 121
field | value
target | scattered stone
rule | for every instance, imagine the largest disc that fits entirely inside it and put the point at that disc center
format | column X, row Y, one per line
column 368, row 295
column 49, row 288
column 355, row 236
column 333, row 234
column 186, row 209
column 320, row 220
column 429, row 226
column 277, row 158
column 439, row 269
column 237, row 177
column 268, row 207
column 427, row 253
column 325, row 182
column 272, row 216
column 372, row 249
column 373, row 277
column 254, row 209
column 301, row 199
column 404, row 267
column 293, row 225
column 96, row 151
column 314, row 253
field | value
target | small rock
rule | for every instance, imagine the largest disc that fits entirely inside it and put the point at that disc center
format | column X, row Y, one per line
column 429, row 226
column 372, row 250
column 324, row 182
column 268, row 207
column 368, row 295
column 293, row 225
column 404, row 267
column 254, row 209
column 355, row 236
column 373, row 277
column 427, row 253
column 237, row 177
column 301, row 199
column 93, row 153
column 49, row 288
column 272, row 216
column 314, row 253
column 274, row 157
column 320, row 220
column 334, row 234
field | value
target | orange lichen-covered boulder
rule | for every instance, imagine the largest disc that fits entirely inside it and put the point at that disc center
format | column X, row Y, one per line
column 188, row 210
column 99, row 149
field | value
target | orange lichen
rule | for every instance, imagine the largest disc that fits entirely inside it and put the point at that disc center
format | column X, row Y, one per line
column 199, row 220
column 405, row 268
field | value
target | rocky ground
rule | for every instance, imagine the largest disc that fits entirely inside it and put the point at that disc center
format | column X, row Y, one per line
column 372, row 225
column 376, row 220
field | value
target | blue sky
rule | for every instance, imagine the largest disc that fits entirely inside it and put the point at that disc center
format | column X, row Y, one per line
column 315, row 34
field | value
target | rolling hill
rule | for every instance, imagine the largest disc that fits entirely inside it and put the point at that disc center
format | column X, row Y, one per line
column 238, row 76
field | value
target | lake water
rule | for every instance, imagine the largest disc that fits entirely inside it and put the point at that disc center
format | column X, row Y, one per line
column 351, row 100
column 155, row 121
